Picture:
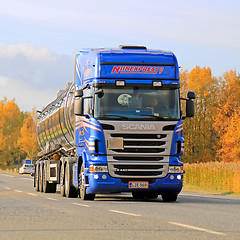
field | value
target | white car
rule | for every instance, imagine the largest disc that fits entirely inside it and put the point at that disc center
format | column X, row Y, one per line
column 27, row 168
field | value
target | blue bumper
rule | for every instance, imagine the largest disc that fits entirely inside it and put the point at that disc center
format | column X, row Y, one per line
column 103, row 183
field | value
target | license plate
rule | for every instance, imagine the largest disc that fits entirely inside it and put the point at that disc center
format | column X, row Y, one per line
column 138, row 185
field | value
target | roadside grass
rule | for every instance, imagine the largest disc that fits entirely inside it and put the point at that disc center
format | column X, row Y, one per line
column 13, row 171
column 213, row 177
column 197, row 189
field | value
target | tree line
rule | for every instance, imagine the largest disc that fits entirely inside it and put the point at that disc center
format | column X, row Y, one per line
column 212, row 135
column 17, row 134
column 214, row 132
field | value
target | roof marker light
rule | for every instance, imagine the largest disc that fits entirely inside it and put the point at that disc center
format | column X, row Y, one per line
column 157, row 84
column 120, row 83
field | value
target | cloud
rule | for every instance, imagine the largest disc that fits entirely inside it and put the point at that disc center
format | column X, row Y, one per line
column 29, row 51
column 26, row 97
column 32, row 75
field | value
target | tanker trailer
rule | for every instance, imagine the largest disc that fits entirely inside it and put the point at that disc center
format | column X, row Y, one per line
column 55, row 136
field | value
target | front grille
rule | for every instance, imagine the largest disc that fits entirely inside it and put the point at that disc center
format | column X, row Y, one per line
column 143, row 154
column 137, row 158
column 139, row 136
column 140, row 150
column 141, row 143
column 138, row 170
column 145, row 143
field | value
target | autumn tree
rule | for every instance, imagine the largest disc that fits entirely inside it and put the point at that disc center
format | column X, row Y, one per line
column 11, row 120
column 28, row 141
column 199, row 133
column 227, row 119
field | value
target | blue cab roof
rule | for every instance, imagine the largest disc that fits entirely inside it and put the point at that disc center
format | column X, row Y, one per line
column 125, row 63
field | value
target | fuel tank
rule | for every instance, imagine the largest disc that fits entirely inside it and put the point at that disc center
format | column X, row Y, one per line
column 55, row 125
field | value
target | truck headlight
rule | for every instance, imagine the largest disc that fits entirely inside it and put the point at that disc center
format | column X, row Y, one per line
column 98, row 169
column 175, row 169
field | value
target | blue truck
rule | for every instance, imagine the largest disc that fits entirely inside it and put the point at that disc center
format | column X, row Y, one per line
column 116, row 128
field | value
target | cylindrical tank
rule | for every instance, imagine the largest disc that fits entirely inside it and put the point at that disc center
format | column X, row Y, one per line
column 55, row 124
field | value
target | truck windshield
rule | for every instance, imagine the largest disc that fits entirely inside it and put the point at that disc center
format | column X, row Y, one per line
column 138, row 104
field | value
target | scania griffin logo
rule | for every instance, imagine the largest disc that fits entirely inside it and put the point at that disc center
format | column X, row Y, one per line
column 138, row 127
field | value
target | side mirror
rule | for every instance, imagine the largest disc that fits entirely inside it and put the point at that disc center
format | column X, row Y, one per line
column 189, row 108
column 78, row 106
column 191, row 95
column 189, row 104
column 100, row 93
column 78, row 93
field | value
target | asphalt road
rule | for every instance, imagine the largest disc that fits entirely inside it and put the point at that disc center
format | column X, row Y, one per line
column 27, row 214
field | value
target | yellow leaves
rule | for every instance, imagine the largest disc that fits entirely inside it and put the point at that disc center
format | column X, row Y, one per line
column 28, row 141
column 230, row 151
column 10, row 123
column 214, row 131
column 201, row 81
column 227, row 118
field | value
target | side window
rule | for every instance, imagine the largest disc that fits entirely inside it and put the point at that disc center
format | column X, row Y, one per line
column 87, row 101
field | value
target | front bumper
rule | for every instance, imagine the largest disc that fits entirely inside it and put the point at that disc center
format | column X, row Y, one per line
column 103, row 183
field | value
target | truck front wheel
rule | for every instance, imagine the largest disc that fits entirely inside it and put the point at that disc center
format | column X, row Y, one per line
column 82, row 187
column 169, row 197
column 144, row 195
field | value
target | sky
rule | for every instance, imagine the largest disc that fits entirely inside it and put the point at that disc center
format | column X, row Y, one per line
column 39, row 39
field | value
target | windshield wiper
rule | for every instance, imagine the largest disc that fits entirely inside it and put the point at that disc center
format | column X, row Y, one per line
column 157, row 117
column 109, row 116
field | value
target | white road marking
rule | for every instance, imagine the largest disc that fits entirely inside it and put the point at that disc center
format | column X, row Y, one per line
column 7, row 188
column 197, row 195
column 28, row 179
column 18, row 191
column 82, row 205
column 32, row 194
column 126, row 213
column 53, row 199
column 196, row 228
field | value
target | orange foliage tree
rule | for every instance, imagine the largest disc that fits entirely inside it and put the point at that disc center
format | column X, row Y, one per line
column 199, row 133
column 227, row 118
column 28, row 141
column 10, row 123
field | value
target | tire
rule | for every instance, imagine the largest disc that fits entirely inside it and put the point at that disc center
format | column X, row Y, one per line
column 169, row 197
column 82, row 187
column 144, row 195
column 37, row 178
column 62, row 182
column 40, row 179
column 45, row 182
column 48, row 187
column 70, row 191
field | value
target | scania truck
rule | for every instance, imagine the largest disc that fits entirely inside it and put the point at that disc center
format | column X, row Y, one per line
column 116, row 128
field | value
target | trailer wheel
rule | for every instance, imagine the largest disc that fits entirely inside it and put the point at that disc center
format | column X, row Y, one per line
column 82, row 187
column 40, row 179
column 37, row 177
column 169, row 197
column 70, row 191
column 48, row 187
column 62, row 187
column 45, row 182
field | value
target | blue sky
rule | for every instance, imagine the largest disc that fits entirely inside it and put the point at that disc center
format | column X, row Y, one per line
column 39, row 39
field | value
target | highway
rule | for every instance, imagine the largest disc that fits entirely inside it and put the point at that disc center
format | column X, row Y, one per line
column 27, row 214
